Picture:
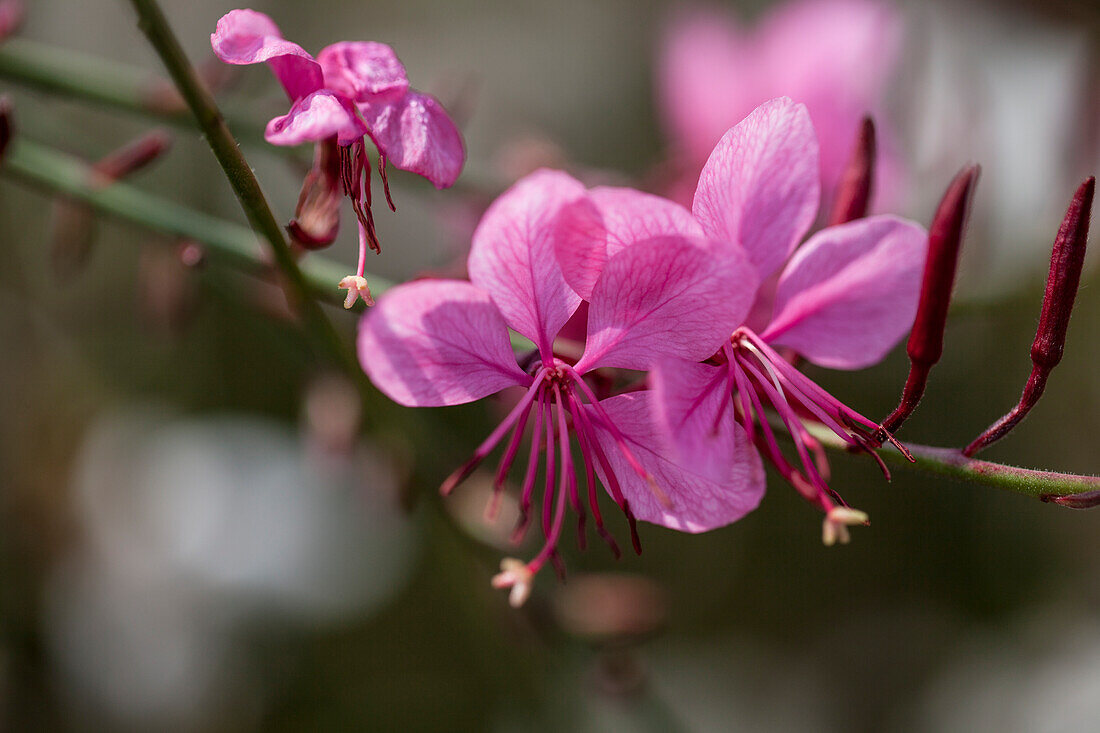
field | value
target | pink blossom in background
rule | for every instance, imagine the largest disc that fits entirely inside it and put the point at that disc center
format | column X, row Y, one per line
column 446, row 342
column 351, row 91
column 842, row 299
column 836, row 56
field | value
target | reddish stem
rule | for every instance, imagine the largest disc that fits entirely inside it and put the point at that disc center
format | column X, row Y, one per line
column 1066, row 260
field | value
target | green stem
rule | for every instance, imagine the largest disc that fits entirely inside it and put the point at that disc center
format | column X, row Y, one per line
column 93, row 79
column 951, row 462
column 225, row 242
column 224, row 146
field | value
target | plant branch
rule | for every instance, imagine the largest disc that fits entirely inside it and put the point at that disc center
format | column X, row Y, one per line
column 951, row 462
column 155, row 26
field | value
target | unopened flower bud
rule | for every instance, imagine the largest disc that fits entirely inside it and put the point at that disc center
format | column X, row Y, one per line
column 11, row 17
column 925, row 344
column 853, row 196
column 1067, row 257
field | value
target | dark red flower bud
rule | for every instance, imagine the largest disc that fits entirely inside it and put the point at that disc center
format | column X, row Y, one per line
column 6, row 126
column 1066, row 260
column 925, row 345
column 1084, row 500
column 853, row 195
column 131, row 157
column 317, row 218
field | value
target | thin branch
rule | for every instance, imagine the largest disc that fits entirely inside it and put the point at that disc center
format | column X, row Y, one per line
column 247, row 189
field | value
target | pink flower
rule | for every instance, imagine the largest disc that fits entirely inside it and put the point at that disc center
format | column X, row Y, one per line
column 836, row 56
column 446, row 342
column 842, row 299
column 351, row 90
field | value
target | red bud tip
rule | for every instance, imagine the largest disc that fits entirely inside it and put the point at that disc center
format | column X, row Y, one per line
column 6, row 126
column 1066, row 260
column 856, row 186
column 1084, row 500
column 133, row 156
column 925, row 346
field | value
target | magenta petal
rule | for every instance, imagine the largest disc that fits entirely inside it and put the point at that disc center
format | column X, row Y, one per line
column 706, row 79
column 761, row 185
column 850, row 293
column 415, row 134
column 667, row 296
column 363, row 70
column 437, row 342
column 690, row 402
column 512, row 256
column 317, row 117
column 595, row 228
column 249, row 37
column 698, row 503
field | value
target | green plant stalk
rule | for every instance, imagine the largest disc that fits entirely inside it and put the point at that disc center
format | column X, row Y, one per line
column 225, row 242
column 92, row 79
column 951, row 462
column 155, row 26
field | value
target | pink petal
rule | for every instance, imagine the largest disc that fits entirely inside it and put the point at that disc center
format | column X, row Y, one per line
column 512, row 256
column 699, row 503
column 667, row 296
column 593, row 229
column 836, row 56
column 850, row 293
column 704, row 79
column 689, row 405
column 416, row 134
column 437, row 342
column 362, row 70
column 316, row 117
column 760, row 186
column 249, row 37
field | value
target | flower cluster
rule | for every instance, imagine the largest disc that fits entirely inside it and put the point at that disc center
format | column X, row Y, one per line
column 691, row 297
column 351, row 91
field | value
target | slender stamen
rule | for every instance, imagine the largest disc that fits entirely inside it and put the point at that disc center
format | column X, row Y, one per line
column 587, row 452
column 385, row 180
column 505, row 465
column 569, row 474
column 495, row 437
column 620, row 441
column 532, row 468
column 548, row 489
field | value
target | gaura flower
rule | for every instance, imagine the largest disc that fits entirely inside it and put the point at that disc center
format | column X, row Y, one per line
column 835, row 56
column 446, row 342
column 352, row 90
column 842, row 299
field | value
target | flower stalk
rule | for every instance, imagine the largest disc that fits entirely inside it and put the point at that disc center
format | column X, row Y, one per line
column 1066, row 260
column 155, row 26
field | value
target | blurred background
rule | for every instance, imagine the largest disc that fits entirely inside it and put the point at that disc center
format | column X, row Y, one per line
column 195, row 536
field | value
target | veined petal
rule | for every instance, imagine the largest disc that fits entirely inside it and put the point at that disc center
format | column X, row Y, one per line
column 689, row 404
column 698, row 503
column 315, row 117
column 706, row 78
column 249, row 37
column 437, row 342
column 760, row 187
column 415, row 134
column 667, row 296
column 595, row 228
column 512, row 256
column 363, row 70
column 850, row 293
